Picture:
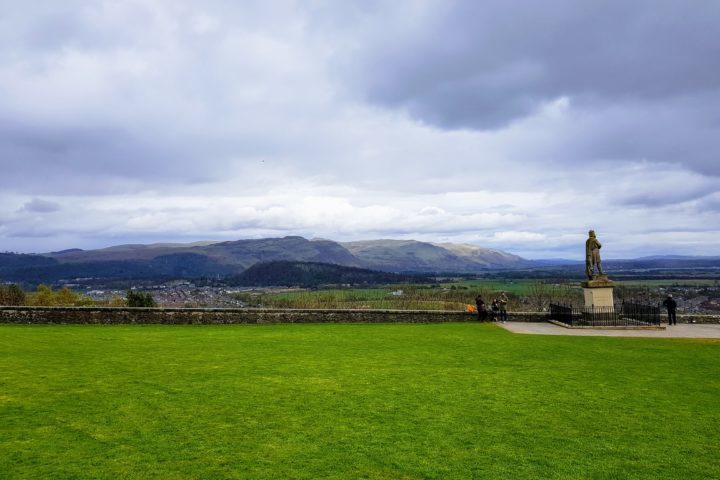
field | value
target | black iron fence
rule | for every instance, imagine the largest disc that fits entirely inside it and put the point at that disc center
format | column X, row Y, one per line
column 623, row 315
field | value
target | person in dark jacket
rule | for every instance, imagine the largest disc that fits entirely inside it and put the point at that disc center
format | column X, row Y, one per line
column 482, row 311
column 671, row 306
column 494, row 308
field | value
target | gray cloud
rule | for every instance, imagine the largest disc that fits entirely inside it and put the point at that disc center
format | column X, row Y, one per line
column 483, row 64
column 38, row 205
column 640, row 78
column 502, row 125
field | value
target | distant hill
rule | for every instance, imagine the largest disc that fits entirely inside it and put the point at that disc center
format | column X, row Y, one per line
column 239, row 255
column 204, row 259
column 414, row 256
column 404, row 256
column 126, row 252
column 484, row 257
column 36, row 269
column 313, row 274
column 212, row 259
column 670, row 261
column 245, row 253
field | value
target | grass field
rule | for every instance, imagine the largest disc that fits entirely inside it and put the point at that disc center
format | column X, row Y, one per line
column 675, row 282
column 413, row 298
column 516, row 287
column 441, row 401
column 448, row 296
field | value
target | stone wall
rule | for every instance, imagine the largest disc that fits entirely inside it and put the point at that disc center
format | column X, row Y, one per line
column 179, row 316
column 694, row 318
column 184, row 316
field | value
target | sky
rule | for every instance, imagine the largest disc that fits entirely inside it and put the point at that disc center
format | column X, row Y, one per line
column 510, row 125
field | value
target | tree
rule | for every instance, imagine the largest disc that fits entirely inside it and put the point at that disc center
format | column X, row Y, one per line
column 538, row 296
column 117, row 301
column 44, row 295
column 66, row 297
column 140, row 299
column 12, row 295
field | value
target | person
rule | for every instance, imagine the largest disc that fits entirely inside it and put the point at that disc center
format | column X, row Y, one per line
column 671, row 306
column 494, row 310
column 592, row 255
column 482, row 312
column 502, row 305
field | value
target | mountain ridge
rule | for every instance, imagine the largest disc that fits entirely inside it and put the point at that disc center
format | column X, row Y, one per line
column 223, row 259
column 384, row 254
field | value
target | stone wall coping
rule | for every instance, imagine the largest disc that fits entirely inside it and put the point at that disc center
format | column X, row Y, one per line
column 278, row 310
column 9, row 313
column 232, row 310
column 240, row 310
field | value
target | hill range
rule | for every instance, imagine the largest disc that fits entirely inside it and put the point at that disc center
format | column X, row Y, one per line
column 229, row 259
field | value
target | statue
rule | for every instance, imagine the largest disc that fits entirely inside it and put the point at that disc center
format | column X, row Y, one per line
column 598, row 289
column 592, row 255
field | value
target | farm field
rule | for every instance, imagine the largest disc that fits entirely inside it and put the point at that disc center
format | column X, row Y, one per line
column 447, row 296
column 675, row 282
column 443, row 401
column 524, row 294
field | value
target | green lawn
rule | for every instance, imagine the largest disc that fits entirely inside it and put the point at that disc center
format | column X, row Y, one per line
column 437, row 401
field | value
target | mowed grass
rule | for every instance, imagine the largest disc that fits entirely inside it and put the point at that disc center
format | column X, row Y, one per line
column 439, row 401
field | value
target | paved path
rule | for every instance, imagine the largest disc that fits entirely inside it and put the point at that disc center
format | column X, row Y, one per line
column 676, row 331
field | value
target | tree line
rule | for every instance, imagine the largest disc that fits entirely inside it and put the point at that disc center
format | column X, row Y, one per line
column 45, row 296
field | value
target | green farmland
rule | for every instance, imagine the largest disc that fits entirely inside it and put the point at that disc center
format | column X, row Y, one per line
column 438, row 401
column 448, row 296
column 675, row 282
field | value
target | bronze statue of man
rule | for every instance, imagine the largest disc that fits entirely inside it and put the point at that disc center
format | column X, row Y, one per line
column 592, row 255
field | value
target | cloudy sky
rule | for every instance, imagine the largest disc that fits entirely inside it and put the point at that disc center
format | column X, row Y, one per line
column 514, row 125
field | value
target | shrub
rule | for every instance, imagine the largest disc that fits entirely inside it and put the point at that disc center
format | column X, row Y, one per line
column 140, row 299
column 11, row 295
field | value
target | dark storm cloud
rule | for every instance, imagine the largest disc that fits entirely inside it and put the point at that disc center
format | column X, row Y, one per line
column 639, row 81
column 485, row 64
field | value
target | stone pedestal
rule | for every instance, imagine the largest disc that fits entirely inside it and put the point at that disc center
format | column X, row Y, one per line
column 598, row 291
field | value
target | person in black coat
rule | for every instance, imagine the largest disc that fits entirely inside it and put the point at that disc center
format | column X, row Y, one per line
column 482, row 311
column 671, row 306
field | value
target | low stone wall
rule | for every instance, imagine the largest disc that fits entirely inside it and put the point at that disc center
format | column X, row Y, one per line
column 184, row 316
column 695, row 318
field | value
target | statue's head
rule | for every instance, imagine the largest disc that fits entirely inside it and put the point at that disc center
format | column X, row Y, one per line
column 591, row 233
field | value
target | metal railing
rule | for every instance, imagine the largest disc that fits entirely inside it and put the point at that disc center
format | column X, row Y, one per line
column 623, row 315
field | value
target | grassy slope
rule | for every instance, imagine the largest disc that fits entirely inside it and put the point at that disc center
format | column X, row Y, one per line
column 353, row 401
